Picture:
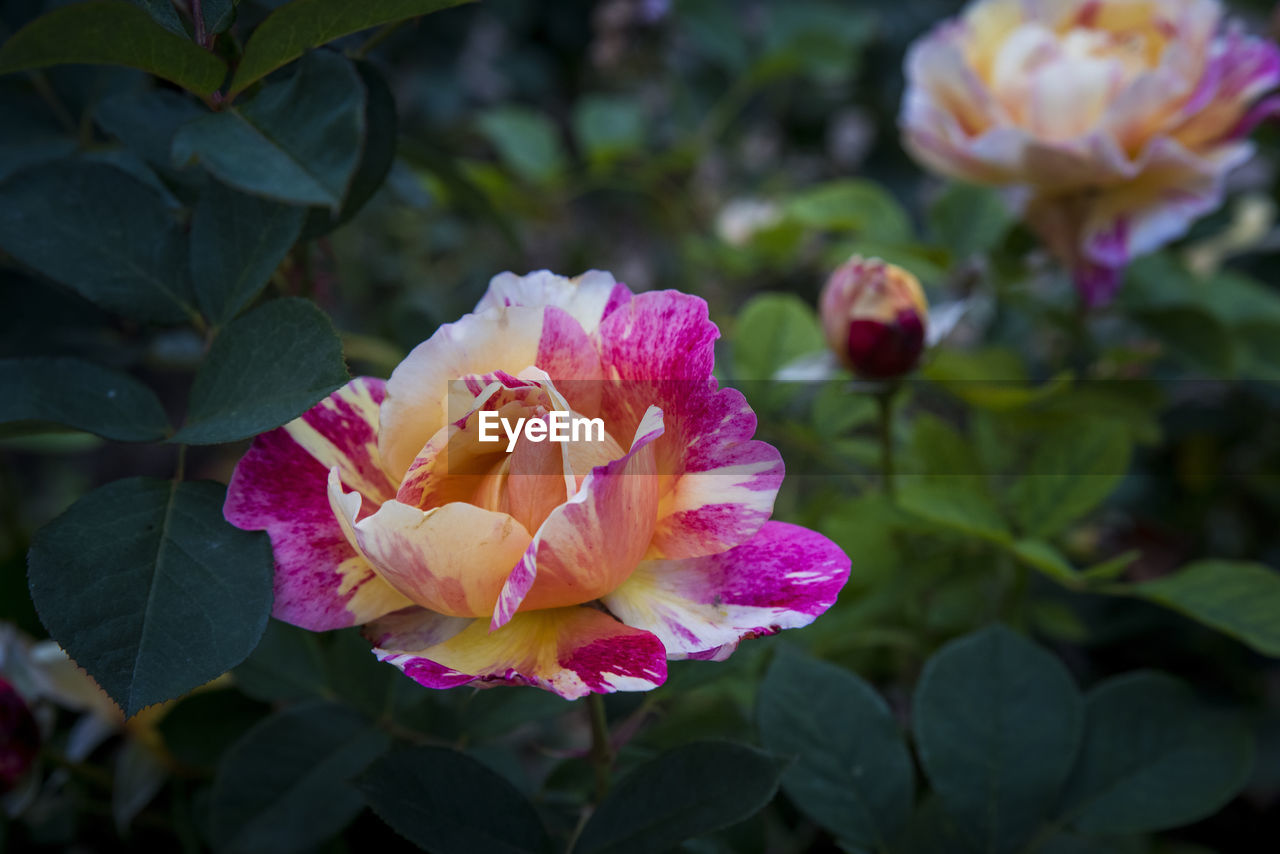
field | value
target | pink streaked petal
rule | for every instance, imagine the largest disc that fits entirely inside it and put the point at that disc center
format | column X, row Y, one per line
column 722, row 482
column 281, row 486
column 783, row 578
column 589, row 544
column 569, row 651
column 416, row 407
column 452, row 559
column 567, row 356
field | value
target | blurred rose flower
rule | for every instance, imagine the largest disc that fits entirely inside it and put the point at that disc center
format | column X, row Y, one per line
column 874, row 315
column 19, row 736
column 1115, row 120
column 576, row 567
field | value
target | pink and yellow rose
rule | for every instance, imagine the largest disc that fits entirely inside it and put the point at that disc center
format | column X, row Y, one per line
column 1116, row 121
column 574, row 566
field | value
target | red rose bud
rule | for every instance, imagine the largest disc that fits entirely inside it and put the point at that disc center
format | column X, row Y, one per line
column 19, row 737
column 874, row 316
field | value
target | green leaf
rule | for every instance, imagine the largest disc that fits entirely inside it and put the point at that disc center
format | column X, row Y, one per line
column 149, row 589
column 968, row 219
column 1153, row 757
column 772, row 330
column 101, row 232
column 237, row 241
column 286, row 665
column 286, row 785
column 296, row 27
column 218, row 15
column 956, row 505
column 686, row 792
column 526, row 140
column 146, row 121
column 997, row 723
column 608, row 127
column 1237, row 598
column 1194, row 336
column 446, row 802
column 851, row 205
column 32, row 135
column 164, row 14
column 852, row 772
column 81, row 395
column 376, row 155
column 943, row 453
column 112, row 32
column 1046, row 559
column 1072, row 470
column 297, row 142
column 264, row 369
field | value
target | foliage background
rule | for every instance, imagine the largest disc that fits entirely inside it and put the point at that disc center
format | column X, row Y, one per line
column 1057, row 472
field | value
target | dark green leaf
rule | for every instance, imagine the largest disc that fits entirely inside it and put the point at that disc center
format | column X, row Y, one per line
column 286, row 785
column 31, row 133
column 286, row 665
column 954, row 504
column 686, row 792
column 376, row 156
column 997, row 723
column 852, row 772
column 149, row 589
column 201, row 726
column 303, row 24
column 146, row 121
column 81, row 395
column 218, row 15
column 1153, row 757
column 1044, row 558
column 237, row 241
column 527, row 141
column 445, row 802
column 1194, row 336
column 264, row 369
column 164, row 14
column 297, row 142
column 969, row 219
column 112, row 32
column 1071, row 471
column 101, row 232
column 1238, row 598
column 773, row 329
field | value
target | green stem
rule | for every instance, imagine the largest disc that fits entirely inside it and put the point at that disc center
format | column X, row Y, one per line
column 601, row 749
column 885, row 400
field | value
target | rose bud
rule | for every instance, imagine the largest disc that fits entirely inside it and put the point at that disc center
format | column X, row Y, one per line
column 874, row 317
column 19, row 737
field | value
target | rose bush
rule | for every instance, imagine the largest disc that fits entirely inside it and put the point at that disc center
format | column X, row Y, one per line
column 577, row 567
column 1115, row 121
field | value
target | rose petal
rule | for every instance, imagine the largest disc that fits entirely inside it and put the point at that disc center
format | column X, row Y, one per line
column 584, row 297
column 723, row 483
column 589, row 544
column 280, row 486
column 506, row 339
column 783, row 578
column 452, row 559
column 570, row 651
